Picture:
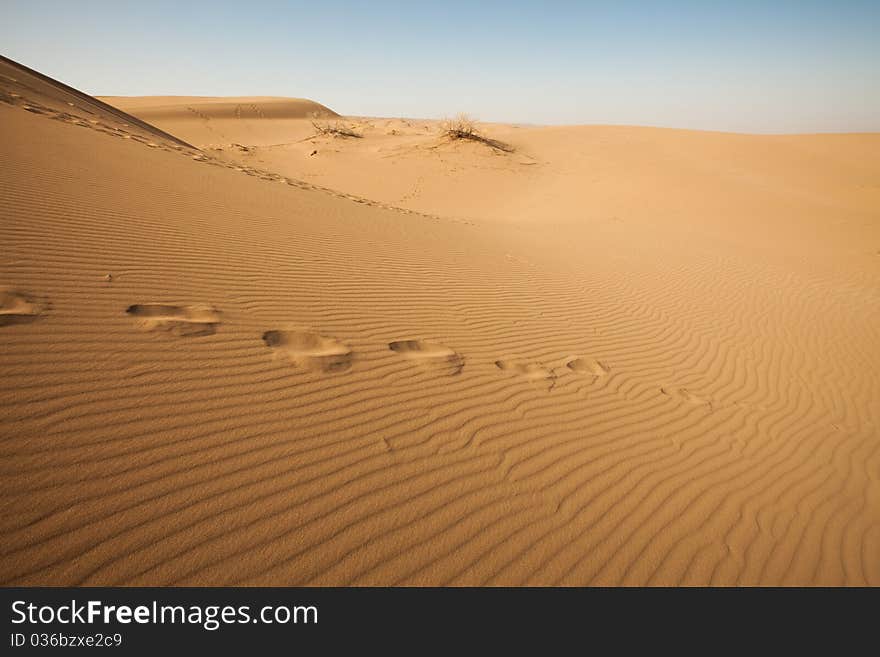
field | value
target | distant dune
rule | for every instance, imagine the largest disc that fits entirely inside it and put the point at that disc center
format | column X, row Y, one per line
column 205, row 107
column 238, row 352
column 225, row 120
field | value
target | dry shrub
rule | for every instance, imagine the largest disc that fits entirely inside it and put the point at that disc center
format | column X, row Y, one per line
column 463, row 126
column 335, row 129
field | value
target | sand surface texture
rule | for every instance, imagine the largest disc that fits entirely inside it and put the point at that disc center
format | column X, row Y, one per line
column 246, row 354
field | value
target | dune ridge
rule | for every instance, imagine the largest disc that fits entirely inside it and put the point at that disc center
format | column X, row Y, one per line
column 673, row 406
column 205, row 108
column 28, row 88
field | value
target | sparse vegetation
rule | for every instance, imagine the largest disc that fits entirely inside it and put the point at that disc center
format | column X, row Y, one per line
column 463, row 126
column 335, row 129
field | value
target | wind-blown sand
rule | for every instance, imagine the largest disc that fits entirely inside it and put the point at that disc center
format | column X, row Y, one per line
column 613, row 356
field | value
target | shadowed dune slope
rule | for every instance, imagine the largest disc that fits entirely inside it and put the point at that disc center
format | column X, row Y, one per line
column 216, row 374
column 40, row 94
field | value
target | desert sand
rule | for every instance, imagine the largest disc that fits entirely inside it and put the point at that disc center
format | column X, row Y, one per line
column 235, row 351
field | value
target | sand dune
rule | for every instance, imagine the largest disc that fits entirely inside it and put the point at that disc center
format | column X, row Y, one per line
column 32, row 91
column 225, row 120
column 613, row 356
column 207, row 108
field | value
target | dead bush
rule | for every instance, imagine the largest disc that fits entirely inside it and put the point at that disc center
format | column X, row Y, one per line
column 463, row 126
column 335, row 129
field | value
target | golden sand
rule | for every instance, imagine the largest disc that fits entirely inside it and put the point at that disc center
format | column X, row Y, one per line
column 250, row 354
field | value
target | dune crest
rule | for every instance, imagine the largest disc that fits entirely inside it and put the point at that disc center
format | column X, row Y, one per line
column 207, row 108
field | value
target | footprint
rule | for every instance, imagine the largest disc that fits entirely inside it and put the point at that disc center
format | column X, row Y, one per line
column 588, row 366
column 530, row 371
column 429, row 353
column 310, row 350
column 186, row 321
column 687, row 396
column 691, row 398
column 18, row 308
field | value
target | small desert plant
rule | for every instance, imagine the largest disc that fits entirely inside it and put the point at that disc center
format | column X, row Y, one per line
column 460, row 126
column 463, row 126
column 335, row 129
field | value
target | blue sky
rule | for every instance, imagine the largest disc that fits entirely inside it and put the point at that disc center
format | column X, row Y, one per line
column 747, row 66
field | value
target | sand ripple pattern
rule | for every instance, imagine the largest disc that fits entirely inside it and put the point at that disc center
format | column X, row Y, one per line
column 730, row 433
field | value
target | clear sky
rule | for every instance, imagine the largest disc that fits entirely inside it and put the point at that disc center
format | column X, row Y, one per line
column 747, row 66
